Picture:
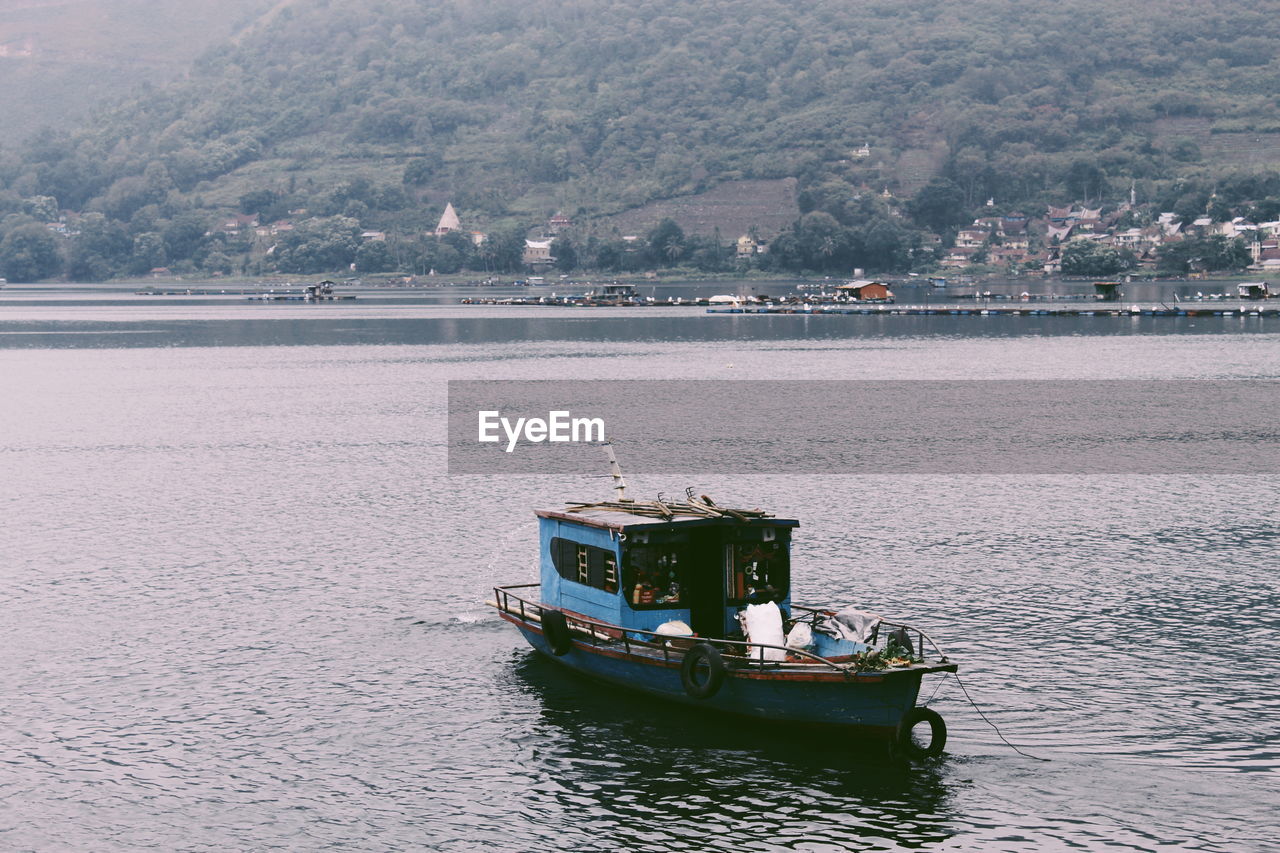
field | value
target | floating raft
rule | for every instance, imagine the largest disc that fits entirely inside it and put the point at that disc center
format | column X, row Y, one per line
column 1011, row 310
column 189, row 291
column 581, row 301
column 300, row 297
column 977, row 306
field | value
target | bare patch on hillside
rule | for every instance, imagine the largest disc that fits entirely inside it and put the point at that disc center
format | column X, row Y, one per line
column 1244, row 149
column 917, row 165
column 735, row 208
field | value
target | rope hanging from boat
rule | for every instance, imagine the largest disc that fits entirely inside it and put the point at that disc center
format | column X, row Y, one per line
column 999, row 733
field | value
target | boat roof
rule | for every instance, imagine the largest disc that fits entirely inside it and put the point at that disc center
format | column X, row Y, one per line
column 640, row 515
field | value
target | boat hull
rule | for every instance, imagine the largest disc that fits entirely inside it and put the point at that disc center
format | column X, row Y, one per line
column 871, row 703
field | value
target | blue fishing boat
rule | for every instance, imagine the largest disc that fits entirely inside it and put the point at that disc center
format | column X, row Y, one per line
column 690, row 600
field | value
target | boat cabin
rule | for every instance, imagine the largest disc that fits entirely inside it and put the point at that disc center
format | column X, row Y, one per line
column 639, row 571
column 618, row 291
column 1106, row 291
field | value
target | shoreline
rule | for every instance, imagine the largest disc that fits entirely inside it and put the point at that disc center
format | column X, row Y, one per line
column 381, row 281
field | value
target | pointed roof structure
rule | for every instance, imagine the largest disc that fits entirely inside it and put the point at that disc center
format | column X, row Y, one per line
column 448, row 221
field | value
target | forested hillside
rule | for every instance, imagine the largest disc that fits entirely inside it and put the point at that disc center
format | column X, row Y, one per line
column 372, row 113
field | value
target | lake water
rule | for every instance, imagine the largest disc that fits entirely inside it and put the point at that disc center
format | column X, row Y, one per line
column 243, row 604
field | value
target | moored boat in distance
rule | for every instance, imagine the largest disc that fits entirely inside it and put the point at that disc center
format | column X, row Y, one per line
column 864, row 290
column 1244, row 290
column 322, row 292
column 690, row 601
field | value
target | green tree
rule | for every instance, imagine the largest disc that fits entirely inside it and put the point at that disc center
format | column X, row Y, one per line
column 1209, row 254
column 219, row 262
column 504, row 250
column 148, row 253
column 43, row 208
column 708, row 254
column 939, row 205
column 1088, row 257
column 666, row 243
column 446, row 259
column 784, row 252
column 29, row 252
column 374, row 256
column 1085, row 180
column 884, row 246
column 183, row 235
column 419, row 172
column 263, row 201
column 101, row 251
column 319, row 244
column 824, row 244
column 565, row 254
column 608, row 255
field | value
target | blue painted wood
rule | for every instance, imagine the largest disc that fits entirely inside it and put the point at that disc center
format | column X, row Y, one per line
column 860, row 703
column 615, row 608
column 807, row 695
column 567, row 594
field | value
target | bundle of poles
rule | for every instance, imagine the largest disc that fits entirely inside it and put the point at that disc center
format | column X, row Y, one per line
column 702, row 507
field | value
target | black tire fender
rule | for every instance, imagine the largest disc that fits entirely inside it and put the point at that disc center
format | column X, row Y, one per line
column 691, row 667
column 555, row 627
column 907, row 746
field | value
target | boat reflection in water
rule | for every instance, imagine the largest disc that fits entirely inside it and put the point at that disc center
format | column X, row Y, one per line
column 632, row 770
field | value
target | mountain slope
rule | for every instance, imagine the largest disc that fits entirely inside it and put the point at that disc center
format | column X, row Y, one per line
column 60, row 58
column 625, row 103
column 382, row 109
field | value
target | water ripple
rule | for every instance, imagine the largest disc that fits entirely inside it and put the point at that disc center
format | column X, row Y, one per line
column 242, row 609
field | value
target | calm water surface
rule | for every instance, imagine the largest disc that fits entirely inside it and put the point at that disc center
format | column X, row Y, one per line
column 243, row 606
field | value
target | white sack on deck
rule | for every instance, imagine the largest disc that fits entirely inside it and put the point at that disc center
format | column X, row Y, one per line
column 801, row 636
column 763, row 624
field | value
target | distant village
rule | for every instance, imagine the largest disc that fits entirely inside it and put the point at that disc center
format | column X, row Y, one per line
column 1012, row 242
column 1030, row 244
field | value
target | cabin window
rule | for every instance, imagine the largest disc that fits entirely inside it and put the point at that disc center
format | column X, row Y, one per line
column 585, row 564
column 654, row 576
column 757, row 572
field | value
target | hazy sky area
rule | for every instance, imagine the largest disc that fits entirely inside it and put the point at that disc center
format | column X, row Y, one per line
column 58, row 58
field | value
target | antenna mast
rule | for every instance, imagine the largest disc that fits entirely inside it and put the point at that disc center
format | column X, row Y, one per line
column 619, row 484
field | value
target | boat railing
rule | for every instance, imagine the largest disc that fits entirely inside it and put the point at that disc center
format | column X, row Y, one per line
column 602, row 632
column 816, row 613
